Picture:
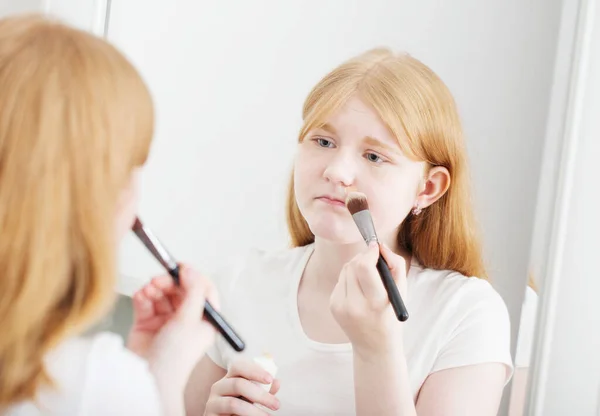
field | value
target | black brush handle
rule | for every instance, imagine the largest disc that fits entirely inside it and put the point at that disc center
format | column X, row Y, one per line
column 392, row 289
column 216, row 320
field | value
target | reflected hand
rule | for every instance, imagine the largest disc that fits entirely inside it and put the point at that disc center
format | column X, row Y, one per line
column 235, row 393
column 360, row 303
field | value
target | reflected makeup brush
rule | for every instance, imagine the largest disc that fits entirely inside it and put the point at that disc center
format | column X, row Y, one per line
column 356, row 202
column 166, row 260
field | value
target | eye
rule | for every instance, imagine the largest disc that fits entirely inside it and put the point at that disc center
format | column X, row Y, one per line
column 372, row 157
column 324, row 142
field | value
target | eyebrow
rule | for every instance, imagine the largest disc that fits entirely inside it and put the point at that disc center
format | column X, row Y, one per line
column 328, row 128
column 372, row 141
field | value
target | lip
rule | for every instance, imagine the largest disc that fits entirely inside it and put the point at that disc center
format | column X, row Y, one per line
column 331, row 200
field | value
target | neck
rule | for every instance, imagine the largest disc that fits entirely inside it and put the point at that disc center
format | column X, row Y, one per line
column 325, row 264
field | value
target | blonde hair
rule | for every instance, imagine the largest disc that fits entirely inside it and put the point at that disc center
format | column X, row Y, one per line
column 420, row 111
column 75, row 120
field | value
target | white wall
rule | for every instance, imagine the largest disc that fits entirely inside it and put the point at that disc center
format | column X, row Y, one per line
column 8, row 7
column 86, row 14
column 567, row 371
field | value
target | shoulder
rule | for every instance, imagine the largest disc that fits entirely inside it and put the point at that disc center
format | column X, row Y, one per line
column 456, row 292
column 116, row 380
column 96, row 375
column 469, row 309
column 473, row 315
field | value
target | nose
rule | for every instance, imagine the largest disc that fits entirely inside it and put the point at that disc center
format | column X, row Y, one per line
column 340, row 170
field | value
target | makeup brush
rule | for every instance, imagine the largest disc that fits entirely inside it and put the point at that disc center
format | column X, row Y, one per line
column 166, row 260
column 356, row 202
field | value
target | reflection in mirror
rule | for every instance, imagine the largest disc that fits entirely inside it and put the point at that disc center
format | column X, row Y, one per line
column 269, row 66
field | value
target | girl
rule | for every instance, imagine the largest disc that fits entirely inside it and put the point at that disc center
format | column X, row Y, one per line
column 76, row 122
column 387, row 125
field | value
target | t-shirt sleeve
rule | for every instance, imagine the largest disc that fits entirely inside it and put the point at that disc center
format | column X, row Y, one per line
column 481, row 332
column 117, row 381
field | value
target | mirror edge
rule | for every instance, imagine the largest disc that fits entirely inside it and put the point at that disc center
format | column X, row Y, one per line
column 567, row 98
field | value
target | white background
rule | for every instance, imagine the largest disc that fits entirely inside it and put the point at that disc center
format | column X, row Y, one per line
column 19, row 6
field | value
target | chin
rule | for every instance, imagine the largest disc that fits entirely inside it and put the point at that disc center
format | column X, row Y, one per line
column 335, row 231
column 330, row 223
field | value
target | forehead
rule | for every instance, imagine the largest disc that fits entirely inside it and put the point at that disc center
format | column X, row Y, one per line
column 357, row 120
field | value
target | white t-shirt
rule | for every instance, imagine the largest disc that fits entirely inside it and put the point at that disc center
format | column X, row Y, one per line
column 454, row 321
column 95, row 376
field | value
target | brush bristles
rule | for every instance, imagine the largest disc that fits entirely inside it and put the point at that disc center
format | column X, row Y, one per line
column 356, row 202
column 137, row 225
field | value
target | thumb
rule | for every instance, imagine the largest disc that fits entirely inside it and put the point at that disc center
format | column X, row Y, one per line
column 372, row 254
column 195, row 288
column 396, row 263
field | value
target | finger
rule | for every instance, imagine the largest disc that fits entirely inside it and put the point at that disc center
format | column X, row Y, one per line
column 367, row 277
column 165, row 283
column 194, row 287
column 162, row 304
column 275, row 386
column 396, row 263
column 236, row 387
column 372, row 254
column 143, row 308
column 176, row 300
column 153, row 323
column 212, row 295
column 354, row 294
column 233, row 406
column 249, row 370
column 371, row 286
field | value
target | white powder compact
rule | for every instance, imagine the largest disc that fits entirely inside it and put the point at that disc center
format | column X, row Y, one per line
column 266, row 361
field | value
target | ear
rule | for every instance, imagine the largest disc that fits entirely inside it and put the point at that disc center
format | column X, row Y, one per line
column 436, row 184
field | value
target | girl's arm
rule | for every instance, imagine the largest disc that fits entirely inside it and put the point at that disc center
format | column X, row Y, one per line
column 382, row 388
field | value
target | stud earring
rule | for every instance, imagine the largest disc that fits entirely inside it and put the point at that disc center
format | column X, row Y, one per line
column 417, row 209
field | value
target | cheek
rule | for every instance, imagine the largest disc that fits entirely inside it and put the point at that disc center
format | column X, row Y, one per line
column 391, row 208
column 306, row 171
column 127, row 206
column 392, row 198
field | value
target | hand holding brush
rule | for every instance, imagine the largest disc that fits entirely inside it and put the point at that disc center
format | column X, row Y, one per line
column 357, row 204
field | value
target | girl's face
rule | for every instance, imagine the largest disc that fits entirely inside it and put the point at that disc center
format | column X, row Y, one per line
column 355, row 148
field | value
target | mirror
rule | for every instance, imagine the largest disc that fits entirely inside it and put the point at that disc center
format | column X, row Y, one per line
column 541, row 348
column 229, row 83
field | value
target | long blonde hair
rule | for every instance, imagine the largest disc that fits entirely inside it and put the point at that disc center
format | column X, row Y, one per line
column 415, row 104
column 75, row 120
